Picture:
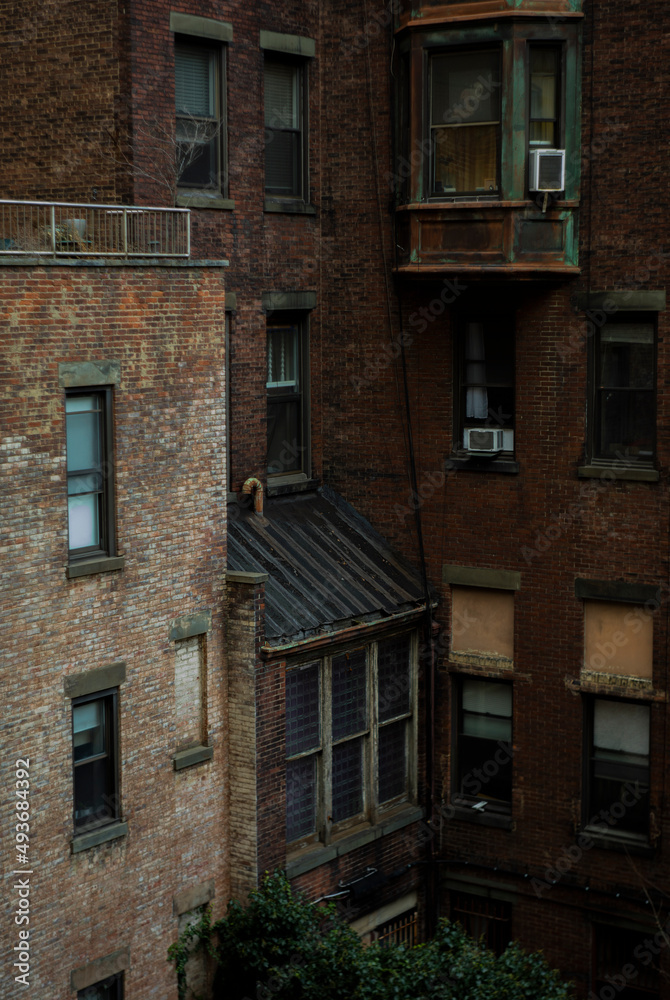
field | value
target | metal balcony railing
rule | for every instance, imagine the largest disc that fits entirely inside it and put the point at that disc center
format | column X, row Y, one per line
column 68, row 229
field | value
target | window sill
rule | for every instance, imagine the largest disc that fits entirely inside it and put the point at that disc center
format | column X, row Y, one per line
column 313, row 857
column 615, row 471
column 480, row 817
column 195, row 755
column 479, row 463
column 288, row 206
column 84, row 841
column 618, row 840
column 283, row 485
column 87, row 567
column 197, row 199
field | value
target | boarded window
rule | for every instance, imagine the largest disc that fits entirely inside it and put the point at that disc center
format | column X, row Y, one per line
column 618, row 639
column 188, row 690
column 482, row 621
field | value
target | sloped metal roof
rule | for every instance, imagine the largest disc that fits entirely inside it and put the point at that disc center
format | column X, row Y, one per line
column 327, row 565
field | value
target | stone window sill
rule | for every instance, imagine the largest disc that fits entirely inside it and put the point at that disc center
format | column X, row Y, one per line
column 479, row 463
column 462, row 810
column 634, row 474
column 186, row 199
column 312, row 857
column 87, row 567
column 195, row 755
column 301, row 484
column 617, row 840
column 84, row 841
column 288, row 206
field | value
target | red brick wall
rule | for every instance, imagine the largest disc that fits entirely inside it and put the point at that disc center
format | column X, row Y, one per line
column 164, row 326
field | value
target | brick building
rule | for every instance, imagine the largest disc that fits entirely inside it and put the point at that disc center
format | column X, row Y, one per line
column 445, row 311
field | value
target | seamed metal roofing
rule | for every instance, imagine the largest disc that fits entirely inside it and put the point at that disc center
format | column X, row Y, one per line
column 327, row 565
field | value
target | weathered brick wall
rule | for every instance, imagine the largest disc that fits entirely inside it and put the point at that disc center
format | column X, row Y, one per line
column 164, row 325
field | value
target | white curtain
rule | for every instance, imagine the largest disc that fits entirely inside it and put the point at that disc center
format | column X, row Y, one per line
column 476, row 401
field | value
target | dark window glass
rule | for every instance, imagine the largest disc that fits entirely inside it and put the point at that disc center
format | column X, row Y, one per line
column 484, row 740
column 94, row 757
column 347, row 791
column 350, row 694
column 484, row 919
column 393, row 687
column 302, row 710
column 284, row 400
column 545, row 83
column 110, row 988
column 625, row 400
column 465, row 122
column 619, row 948
column 300, row 797
column 283, row 128
column 619, row 765
column 392, row 757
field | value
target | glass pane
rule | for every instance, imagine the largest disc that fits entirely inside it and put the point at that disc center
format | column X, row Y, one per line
column 284, row 436
column 543, row 82
column 485, row 768
column 83, row 521
column 347, row 780
column 282, row 162
column 83, row 439
column 627, row 333
column 300, row 797
column 487, row 697
column 465, row 88
column 198, row 163
column 629, row 793
column 543, row 134
column 487, row 727
column 84, row 484
column 302, row 710
column 349, row 693
column 627, row 423
column 88, row 729
column 392, row 761
column 621, row 726
column 626, row 364
column 283, row 357
column 194, row 80
column 466, row 159
column 93, row 799
column 282, row 106
column 393, row 677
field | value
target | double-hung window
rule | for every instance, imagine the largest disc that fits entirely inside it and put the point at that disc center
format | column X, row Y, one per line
column 94, row 751
column 287, row 416
column 465, row 122
column 90, row 479
column 484, row 742
column 485, row 396
column 617, row 779
column 623, row 392
column 199, row 100
column 285, row 147
column 349, row 738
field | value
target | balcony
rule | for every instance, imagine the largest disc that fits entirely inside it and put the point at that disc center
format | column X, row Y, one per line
column 69, row 229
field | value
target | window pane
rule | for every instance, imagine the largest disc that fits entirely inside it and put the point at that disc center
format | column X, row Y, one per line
column 466, row 159
column 284, row 436
column 392, row 760
column 88, row 722
column 92, row 792
column 282, row 162
column 349, row 693
column 302, row 710
column 627, row 423
column 83, row 434
column 300, row 797
column 281, row 95
column 283, row 357
column 347, row 780
column 108, row 989
column 83, row 521
column 627, row 365
column 198, row 161
column 487, row 697
column 194, row 80
column 393, row 673
column 465, row 88
column 621, row 727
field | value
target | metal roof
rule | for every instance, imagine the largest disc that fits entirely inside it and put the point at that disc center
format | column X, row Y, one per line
column 327, row 565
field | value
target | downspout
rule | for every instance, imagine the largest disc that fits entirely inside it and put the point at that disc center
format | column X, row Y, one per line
column 255, row 486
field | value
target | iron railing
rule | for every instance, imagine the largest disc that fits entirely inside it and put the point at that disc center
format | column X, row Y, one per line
column 69, row 229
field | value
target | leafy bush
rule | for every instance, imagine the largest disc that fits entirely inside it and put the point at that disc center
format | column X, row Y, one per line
column 282, row 947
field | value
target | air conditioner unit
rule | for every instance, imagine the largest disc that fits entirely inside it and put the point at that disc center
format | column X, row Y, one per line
column 483, row 440
column 547, row 170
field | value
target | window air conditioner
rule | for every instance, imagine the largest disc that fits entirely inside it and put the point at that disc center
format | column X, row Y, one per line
column 547, row 170
column 483, row 440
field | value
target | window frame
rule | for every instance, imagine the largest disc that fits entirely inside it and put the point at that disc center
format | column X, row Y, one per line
column 591, row 811
column 559, row 117
column 106, row 545
column 276, row 394
column 219, row 119
column 594, row 412
column 462, row 422
column 467, row 798
column 326, row 829
column 301, row 194
column 111, row 791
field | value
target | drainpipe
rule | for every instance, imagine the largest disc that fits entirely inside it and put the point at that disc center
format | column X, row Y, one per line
column 256, row 485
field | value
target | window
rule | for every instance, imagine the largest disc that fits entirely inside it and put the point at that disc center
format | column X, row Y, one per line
column 545, row 94
column 110, row 988
column 285, row 148
column 94, row 741
column 617, row 734
column 90, row 485
column 485, row 394
column 349, row 737
column 482, row 917
column 287, row 418
column 484, row 747
column 623, row 398
column 465, row 122
column 199, row 99
column 624, row 964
